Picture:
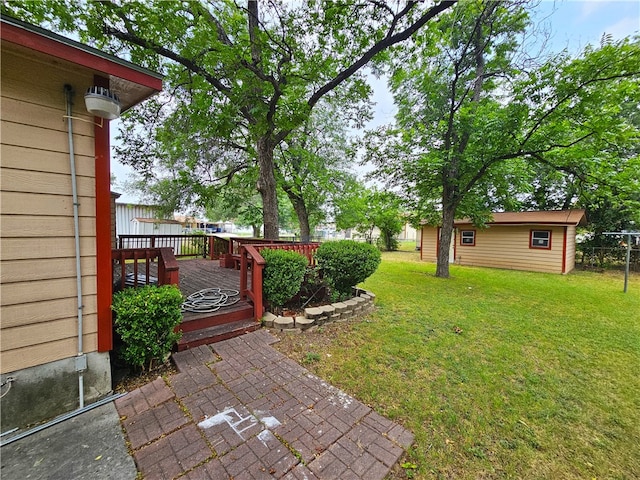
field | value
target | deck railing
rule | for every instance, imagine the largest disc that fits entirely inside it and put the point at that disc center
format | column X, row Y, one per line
column 182, row 245
column 234, row 245
column 132, row 267
column 252, row 267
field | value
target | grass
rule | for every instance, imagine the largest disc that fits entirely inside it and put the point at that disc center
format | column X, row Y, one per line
column 499, row 374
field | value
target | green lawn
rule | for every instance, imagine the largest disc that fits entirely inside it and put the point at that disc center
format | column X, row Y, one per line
column 500, row 374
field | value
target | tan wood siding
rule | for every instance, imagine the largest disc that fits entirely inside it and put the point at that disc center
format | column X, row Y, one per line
column 42, row 353
column 30, row 114
column 41, row 82
column 37, row 291
column 35, row 334
column 39, row 310
column 46, row 226
column 429, row 244
column 44, row 311
column 33, row 270
column 571, row 248
column 45, row 183
column 24, row 158
column 27, row 204
column 508, row 247
column 44, row 248
column 44, row 140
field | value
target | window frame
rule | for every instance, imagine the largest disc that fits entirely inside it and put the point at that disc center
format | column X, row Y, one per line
column 462, row 237
column 532, row 233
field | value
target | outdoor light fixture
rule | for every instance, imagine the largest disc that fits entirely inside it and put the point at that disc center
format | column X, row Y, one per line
column 102, row 103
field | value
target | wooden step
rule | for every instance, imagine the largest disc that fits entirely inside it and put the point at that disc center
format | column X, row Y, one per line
column 216, row 333
column 198, row 321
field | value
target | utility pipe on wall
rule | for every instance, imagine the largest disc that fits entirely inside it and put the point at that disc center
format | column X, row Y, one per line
column 81, row 361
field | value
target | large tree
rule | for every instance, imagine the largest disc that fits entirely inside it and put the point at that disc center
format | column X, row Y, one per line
column 263, row 66
column 473, row 116
column 312, row 165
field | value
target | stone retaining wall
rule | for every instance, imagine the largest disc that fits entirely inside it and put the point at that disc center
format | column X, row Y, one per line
column 360, row 304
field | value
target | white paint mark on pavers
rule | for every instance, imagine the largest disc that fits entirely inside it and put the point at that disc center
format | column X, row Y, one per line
column 270, row 422
column 338, row 397
column 240, row 424
column 341, row 398
column 231, row 417
column 266, row 436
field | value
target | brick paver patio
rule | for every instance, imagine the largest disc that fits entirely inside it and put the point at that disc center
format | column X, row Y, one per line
column 239, row 409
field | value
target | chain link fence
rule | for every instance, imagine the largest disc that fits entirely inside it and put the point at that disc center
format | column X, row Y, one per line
column 607, row 257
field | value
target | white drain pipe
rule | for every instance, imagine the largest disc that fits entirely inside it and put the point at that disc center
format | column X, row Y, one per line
column 81, row 359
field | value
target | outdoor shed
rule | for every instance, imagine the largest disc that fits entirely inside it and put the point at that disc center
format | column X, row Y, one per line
column 155, row 226
column 56, row 330
column 541, row 241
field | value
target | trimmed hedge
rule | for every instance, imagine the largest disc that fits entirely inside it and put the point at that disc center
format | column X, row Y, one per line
column 145, row 320
column 346, row 263
column 283, row 275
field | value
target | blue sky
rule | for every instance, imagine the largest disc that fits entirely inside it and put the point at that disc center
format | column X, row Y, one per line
column 572, row 24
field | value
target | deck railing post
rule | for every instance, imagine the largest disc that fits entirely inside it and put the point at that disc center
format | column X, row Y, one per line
column 168, row 270
column 256, row 278
column 243, row 273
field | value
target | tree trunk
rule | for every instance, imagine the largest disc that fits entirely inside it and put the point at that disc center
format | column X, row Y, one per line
column 267, row 188
column 301, row 212
column 446, row 232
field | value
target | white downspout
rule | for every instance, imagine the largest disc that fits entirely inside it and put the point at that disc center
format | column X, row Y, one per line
column 81, row 359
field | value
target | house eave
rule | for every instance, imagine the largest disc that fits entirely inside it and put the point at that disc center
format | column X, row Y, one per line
column 131, row 82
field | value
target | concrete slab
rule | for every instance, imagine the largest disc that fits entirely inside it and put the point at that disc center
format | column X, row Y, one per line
column 89, row 446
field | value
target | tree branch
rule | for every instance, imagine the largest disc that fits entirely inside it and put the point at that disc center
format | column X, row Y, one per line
column 389, row 40
column 170, row 54
column 570, row 95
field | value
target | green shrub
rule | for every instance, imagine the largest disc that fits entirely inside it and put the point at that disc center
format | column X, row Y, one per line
column 346, row 263
column 283, row 274
column 145, row 320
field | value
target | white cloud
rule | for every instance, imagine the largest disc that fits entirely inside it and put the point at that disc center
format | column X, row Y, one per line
column 623, row 28
column 589, row 8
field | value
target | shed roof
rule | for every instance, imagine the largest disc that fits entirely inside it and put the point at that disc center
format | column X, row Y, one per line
column 132, row 83
column 548, row 217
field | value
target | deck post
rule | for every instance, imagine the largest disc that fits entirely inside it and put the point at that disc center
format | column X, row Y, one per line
column 167, row 267
column 256, row 279
column 243, row 272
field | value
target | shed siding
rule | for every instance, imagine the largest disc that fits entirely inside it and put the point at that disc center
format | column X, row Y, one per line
column 125, row 213
column 37, row 261
column 571, row 248
column 429, row 244
column 508, row 247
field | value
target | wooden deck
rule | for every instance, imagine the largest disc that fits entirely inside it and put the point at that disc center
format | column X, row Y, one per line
column 203, row 328
column 200, row 273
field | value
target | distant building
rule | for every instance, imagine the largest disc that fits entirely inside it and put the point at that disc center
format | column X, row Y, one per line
column 534, row 241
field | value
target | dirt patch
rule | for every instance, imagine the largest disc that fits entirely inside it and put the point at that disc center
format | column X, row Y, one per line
column 297, row 346
column 128, row 381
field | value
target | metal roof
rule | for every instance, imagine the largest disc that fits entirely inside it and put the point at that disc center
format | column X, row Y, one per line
column 548, row 217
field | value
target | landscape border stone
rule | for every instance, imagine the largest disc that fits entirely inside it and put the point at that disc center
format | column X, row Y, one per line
column 360, row 304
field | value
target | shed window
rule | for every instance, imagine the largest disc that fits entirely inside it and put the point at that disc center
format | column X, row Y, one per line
column 540, row 239
column 468, row 238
